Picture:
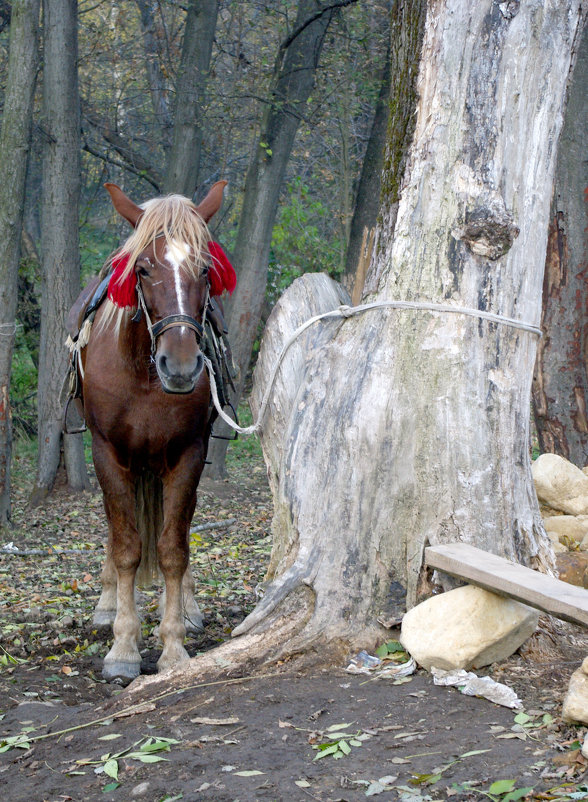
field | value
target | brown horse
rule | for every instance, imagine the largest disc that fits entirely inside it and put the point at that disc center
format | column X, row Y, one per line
column 146, row 402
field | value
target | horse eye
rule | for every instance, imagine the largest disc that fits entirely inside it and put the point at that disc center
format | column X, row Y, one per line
column 142, row 270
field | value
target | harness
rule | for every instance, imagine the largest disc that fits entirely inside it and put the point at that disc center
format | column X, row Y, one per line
column 170, row 321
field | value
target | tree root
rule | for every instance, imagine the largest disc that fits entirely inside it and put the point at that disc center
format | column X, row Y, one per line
column 246, row 654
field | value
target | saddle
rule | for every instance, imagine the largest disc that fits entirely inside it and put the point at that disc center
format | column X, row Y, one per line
column 215, row 345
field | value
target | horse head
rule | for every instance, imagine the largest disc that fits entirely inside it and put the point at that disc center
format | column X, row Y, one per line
column 165, row 261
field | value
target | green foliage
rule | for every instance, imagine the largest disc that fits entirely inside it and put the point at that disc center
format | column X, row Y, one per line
column 96, row 245
column 246, row 449
column 298, row 246
column 23, row 388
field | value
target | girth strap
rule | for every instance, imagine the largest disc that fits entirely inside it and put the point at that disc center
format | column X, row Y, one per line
column 177, row 320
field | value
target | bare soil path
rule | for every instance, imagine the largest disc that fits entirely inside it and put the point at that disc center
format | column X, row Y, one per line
column 246, row 738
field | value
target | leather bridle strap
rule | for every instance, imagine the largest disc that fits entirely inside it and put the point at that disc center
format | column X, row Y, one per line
column 177, row 320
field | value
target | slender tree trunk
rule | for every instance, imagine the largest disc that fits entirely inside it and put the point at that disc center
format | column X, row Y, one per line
column 560, row 385
column 60, row 249
column 184, row 158
column 15, row 139
column 157, row 84
column 401, row 428
column 367, row 201
column 294, row 79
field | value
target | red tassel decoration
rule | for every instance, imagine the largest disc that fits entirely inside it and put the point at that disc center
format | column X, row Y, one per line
column 122, row 293
column 222, row 274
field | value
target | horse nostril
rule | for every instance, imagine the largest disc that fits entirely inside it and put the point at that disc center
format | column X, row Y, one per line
column 162, row 364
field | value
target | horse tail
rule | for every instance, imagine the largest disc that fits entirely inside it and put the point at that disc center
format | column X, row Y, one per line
column 149, row 519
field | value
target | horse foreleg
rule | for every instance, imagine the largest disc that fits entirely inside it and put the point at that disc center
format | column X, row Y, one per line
column 192, row 615
column 173, row 561
column 179, row 502
column 123, row 661
column 105, row 611
column 193, row 620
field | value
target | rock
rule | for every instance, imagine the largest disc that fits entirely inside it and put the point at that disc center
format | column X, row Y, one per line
column 466, row 627
column 585, row 747
column 560, row 485
column 575, row 706
column 66, row 622
column 140, row 789
column 573, row 568
column 574, row 527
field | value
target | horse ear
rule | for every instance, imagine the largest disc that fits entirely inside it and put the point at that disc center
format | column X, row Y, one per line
column 212, row 202
column 123, row 205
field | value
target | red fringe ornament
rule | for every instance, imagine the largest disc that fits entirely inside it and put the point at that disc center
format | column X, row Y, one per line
column 222, row 274
column 122, row 292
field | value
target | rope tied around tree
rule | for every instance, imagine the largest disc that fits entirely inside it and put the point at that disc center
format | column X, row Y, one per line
column 345, row 312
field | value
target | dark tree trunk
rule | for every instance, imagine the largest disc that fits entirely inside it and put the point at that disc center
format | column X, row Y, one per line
column 155, row 77
column 14, row 146
column 184, row 157
column 60, row 249
column 367, row 201
column 560, row 384
column 295, row 71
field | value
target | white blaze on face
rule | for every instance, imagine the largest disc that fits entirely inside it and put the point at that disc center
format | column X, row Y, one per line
column 176, row 254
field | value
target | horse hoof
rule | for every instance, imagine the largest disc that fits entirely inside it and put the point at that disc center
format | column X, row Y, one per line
column 103, row 619
column 121, row 671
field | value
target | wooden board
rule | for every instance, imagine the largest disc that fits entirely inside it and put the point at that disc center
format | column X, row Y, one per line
column 510, row 579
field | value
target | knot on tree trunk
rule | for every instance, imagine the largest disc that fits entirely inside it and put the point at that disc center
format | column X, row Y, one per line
column 489, row 229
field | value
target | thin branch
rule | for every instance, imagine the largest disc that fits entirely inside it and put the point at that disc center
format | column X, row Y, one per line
column 303, row 25
column 124, row 165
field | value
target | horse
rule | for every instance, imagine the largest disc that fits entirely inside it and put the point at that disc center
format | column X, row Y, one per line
column 146, row 401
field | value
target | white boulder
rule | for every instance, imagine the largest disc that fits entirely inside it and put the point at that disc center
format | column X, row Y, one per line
column 561, row 485
column 574, row 527
column 575, row 706
column 466, row 627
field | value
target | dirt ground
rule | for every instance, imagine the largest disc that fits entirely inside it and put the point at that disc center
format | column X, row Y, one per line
column 286, row 735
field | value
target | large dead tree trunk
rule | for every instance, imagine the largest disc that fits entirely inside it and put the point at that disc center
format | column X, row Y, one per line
column 560, row 386
column 14, row 146
column 399, row 428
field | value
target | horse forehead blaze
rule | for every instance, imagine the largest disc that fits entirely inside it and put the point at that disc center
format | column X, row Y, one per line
column 177, row 252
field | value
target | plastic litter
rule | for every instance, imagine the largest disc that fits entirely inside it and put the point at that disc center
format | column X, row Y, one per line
column 364, row 663
column 472, row 685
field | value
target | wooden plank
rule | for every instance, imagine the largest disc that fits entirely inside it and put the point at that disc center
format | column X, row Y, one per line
column 510, row 579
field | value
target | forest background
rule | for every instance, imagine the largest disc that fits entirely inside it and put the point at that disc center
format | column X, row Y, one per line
column 288, row 101
column 173, row 97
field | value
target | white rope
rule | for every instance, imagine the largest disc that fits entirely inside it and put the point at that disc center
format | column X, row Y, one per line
column 346, row 312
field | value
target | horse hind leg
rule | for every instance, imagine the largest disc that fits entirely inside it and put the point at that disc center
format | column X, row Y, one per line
column 105, row 611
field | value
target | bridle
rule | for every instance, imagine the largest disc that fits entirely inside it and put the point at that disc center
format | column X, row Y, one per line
column 170, row 321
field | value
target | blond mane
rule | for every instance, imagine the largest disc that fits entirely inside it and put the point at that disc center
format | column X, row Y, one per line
column 173, row 217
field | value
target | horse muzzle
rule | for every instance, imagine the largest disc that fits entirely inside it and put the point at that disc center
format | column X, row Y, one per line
column 178, row 359
column 178, row 376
